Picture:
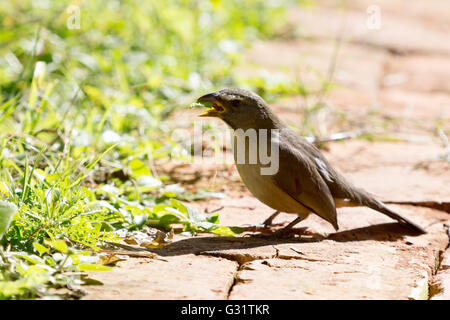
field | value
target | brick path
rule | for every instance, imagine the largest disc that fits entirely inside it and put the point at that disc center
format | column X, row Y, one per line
column 396, row 78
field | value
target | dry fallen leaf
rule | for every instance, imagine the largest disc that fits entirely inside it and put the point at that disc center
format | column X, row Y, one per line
column 148, row 238
column 111, row 259
column 134, row 254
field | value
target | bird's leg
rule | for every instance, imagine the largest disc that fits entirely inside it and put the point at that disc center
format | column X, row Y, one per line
column 265, row 225
column 288, row 228
column 269, row 220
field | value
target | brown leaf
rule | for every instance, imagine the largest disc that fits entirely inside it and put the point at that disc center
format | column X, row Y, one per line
column 110, row 259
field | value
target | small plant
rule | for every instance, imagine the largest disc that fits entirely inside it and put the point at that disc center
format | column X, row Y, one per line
column 84, row 119
column 49, row 265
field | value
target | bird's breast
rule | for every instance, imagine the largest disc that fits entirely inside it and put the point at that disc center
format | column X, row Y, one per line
column 248, row 154
column 264, row 188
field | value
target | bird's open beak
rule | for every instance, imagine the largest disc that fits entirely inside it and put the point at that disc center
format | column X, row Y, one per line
column 217, row 108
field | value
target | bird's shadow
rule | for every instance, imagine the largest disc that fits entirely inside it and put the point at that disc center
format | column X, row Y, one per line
column 196, row 245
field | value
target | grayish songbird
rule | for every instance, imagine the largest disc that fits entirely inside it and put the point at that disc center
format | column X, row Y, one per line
column 305, row 181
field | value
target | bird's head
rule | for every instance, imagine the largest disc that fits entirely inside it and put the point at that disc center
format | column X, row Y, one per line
column 239, row 109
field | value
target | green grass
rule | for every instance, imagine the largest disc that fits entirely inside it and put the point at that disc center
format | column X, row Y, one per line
column 84, row 118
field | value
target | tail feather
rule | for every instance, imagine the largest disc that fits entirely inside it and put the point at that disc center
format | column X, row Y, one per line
column 341, row 189
column 365, row 199
column 381, row 207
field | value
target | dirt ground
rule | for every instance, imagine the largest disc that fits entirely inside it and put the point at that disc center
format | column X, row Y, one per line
column 394, row 80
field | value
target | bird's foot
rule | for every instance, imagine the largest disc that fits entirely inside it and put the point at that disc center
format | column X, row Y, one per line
column 269, row 225
column 269, row 221
column 261, row 227
column 289, row 233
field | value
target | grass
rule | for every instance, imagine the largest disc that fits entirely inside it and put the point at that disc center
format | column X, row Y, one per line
column 84, row 118
column 87, row 93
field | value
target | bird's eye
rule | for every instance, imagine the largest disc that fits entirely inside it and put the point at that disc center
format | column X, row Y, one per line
column 235, row 102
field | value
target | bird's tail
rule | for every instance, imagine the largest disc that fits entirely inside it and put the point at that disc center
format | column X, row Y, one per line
column 340, row 188
column 367, row 200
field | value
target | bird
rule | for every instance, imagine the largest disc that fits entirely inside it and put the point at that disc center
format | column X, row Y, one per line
column 305, row 182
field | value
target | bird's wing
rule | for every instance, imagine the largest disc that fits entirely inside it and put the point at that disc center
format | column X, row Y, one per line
column 298, row 176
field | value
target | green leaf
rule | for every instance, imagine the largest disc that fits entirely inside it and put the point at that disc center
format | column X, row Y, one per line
column 29, row 257
column 140, row 220
column 93, row 267
column 214, row 218
column 34, row 269
column 227, row 231
column 40, row 248
column 11, row 288
column 148, row 182
column 179, row 206
column 49, row 261
column 75, row 258
column 139, row 169
column 59, row 245
column 159, row 208
column 7, row 210
column 172, row 190
column 168, row 219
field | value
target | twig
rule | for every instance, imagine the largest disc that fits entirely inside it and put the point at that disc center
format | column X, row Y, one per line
column 445, row 143
column 133, row 251
column 336, row 137
column 127, row 247
column 213, row 211
column 133, row 254
column 444, row 139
